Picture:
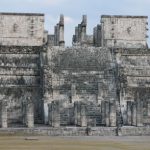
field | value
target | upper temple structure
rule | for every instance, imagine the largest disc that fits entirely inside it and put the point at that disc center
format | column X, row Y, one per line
column 102, row 80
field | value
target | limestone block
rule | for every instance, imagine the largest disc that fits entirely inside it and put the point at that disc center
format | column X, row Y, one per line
column 112, row 113
column 107, row 106
column 139, row 112
column 129, row 113
column 134, row 114
column 55, row 114
column 148, row 108
column 30, row 113
column 4, row 123
column 83, row 116
column 103, row 109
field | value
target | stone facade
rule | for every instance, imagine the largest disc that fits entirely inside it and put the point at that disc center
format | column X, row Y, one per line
column 21, row 29
column 124, row 31
column 102, row 80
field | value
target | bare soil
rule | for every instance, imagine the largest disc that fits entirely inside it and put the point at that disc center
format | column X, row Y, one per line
column 74, row 143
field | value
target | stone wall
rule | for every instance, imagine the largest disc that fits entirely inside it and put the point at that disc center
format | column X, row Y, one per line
column 133, row 71
column 19, row 80
column 124, row 31
column 21, row 29
column 77, row 131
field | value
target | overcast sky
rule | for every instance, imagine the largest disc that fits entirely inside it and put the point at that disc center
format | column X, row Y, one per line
column 74, row 9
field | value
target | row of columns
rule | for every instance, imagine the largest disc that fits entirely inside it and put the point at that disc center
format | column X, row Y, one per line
column 28, row 113
column 135, row 113
column 108, row 111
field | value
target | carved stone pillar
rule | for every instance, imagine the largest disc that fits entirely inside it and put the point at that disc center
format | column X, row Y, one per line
column 76, row 34
column 83, row 116
column 73, row 92
column 139, row 112
column 30, row 113
column 4, row 123
column 55, row 114
column 134, row 114
column 24, row 112
column 113, row 113
column 129, row 113
column 103, row 108
column 148, row 108
column 107, row 113
column 50, row 114
column 83, row 28
column 99, row 94
column 76, row 113
column 61, row 31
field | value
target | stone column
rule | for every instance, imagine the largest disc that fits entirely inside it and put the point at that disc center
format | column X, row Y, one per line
column 103, row 112
column 95, row 36
column 73, row 92
column 50, row 114
column 98, row 35
column 61, row 31
column 107, row 113
column 76, row 113
column 56, row 35
column 79, row 33
column 129, row 119
column 148, row 108
column 55, row 114
column 83, row 116
column 113, row 113
column 30, row 113
column 139, row 113
column 76, row 35
column 83, row 28
column 23, row 112
column 4, row 123
column 134, row 114
column 99, row 94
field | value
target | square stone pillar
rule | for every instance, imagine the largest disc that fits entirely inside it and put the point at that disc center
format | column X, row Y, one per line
column 30, row 113
column 129, row 113
column 148, row 108
column 83, row 29
column 107, row 106
column 73, row 92
column 103, row 108
column 113, row 113
column 50, row 114
column 76, row 113
column 134, row 114
column 55, row 114
column 24, row 112
column 139, row 112
column 99, row 92
column 61, row 31
column 83, row 116
column 4, row 123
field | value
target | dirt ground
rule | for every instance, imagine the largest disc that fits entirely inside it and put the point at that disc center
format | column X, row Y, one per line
column 74, row 143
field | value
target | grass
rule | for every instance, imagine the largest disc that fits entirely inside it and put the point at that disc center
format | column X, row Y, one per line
column 74, row 143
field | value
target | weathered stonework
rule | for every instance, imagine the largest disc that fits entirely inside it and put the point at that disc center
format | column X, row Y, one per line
column 97, row 86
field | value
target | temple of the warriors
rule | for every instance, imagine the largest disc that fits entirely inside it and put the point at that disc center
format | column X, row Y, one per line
column 102, row 81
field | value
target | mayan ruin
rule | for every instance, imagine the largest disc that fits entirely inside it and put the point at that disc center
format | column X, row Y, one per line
column 98, row 86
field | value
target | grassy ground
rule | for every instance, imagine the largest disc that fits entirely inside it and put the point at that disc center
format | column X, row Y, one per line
column 75, row 143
